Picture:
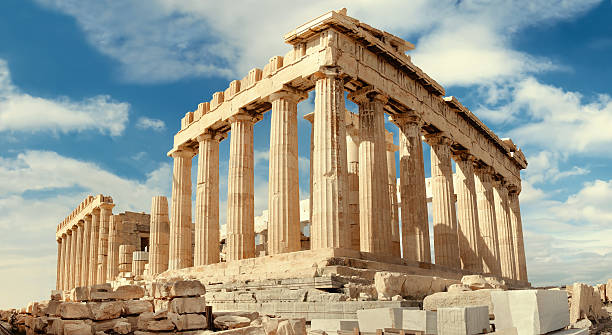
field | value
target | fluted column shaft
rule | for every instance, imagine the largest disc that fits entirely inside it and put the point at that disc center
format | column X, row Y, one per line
column 489, row 243
column 92, row 275
column 68, row 271
column 58, row 274
column 159, row 235
column 467, row 213
column 352, row 155
column 394, row 206
column 207, row 201
column 105, row 215
column 85, row 251
column 517, row 234
column 415, row 224
column 446, row 243
column 329, row 228
column 114, row 241
column 78, row 254
column 240, row 193
column 180, row 224
column 71, row 264
column 310, row 118
column 504, row 230
column 283, row 182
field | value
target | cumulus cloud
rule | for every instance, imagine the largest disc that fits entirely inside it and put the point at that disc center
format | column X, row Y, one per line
column 21, row 112
column 148, row 123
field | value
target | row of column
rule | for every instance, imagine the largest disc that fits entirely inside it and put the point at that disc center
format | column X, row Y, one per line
column 336, row 173
column 83, row 251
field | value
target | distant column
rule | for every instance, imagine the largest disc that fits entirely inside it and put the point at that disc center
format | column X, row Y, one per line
column 415, row 224
column 489, row 244
column 310, row 118
column 504, row 230
column 283, row 182
column 159, row 236
column 467, row 213
column 58, row 274
column 92, row 278
column 394, row 214
column 517, row 232
column 114, row 241
column 180, row 226
column 105, row 215
column 446, row 244
column 85, row 259
column 64, row 265
column 240, row 194
column 329, row 228
column 126, row 252
column 352, row 155
column 69, row 264
column 207, row 200
column 374, row 201
column 77, row 254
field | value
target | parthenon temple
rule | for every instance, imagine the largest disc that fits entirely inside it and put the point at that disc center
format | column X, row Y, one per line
column 359, row 216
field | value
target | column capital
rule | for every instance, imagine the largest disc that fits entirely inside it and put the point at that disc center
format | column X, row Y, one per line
column 183, row 152
column 209, row 134
column 328, row 72
column 95, row 211
column 439, row 138
column 87, row 218
column 68, row 232
column 64, row 236
column 309, row 117
column 368, row 94
column 480, row 168
column 74, row 227
column 411, row 117
column 242, row 116
column 289, row 93
column 59, row 239
column 463, row 155
column 513, row 189
column 499, row 182
column 80, row 223
column 106, row 205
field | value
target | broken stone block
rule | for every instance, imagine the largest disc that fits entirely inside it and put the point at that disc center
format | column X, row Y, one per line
column 456, row 288
column 183, row 288
column 80, row 293
column 379, row 318
column 298, row 326
column 584, row 331
column 231, row 321
column 284, row 328
column 132, row 307
column 188, row 321
column 601, row 288
column 147, row 321
column 122, row 327
column 128, row 292
column 496, row 283
column 187, row 305
column 56, row 295
column 106, row 325
column 425, row 321
column 105, row 310
column 586, row 303
column 388, row 284
column 463, row 320
column 475, row 282
column 530, row 311
column 251, row 315
column 74, row 310
column 609, row 290
column 78, row 329
column 462, row 299
column 332, row 326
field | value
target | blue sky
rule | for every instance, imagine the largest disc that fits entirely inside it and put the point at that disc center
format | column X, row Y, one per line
column 91, row 94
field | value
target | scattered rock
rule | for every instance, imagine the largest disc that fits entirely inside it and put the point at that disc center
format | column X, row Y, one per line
column 231, row 322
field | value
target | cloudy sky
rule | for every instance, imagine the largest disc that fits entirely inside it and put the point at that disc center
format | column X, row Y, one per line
column 92, row 92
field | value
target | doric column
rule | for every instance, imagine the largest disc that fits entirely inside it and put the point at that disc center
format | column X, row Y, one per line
column 180, row 225
column 489, row 244
column 207, row 200
column 73, row 253
column 504, row 230
column 58, row 274
column 329, row 227
column 394, row 213
column 114, row 241
column 78, row 254
column 310, row 118
column 92, row 275
column 240, row 197
column 374, row 201
column 415, row 225
column 467, row 213
column 517, row 232
column 69, row 264
column 283, row 182
column 85, row 251
column 352, row 155
column 159, row 235
column 446, row 244
column 105, row 215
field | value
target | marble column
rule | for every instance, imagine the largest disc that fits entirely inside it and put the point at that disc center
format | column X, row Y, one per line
column 374, row 201
column 69, row 264
column 73, row 254
column 504, row 230
column 415, row 224
column 180, row 224
column 310, row 118
column 489, row 244
column 517, row 233
column 77, row 254
column 446, row 243
column 85, row 251
column 65, row 259
column 58, row 274
column 207, row 200
column 159, row 235
column 240, row 194
column 283, row 181
column 92, row 275
column 329, row 228
column 114, row 241
column 467, row 213
column 394, row 213
column 105, row 215
column 352, row 155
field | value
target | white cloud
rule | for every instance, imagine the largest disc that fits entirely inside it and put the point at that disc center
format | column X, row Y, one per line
column 22, row 112
column 148, row 123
